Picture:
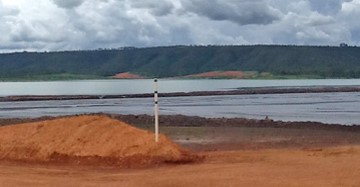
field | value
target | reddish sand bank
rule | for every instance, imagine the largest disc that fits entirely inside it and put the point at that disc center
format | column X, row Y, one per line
column 127, row 75
column 87, row 139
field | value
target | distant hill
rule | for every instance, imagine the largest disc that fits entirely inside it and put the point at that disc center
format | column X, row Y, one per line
column 175, row 61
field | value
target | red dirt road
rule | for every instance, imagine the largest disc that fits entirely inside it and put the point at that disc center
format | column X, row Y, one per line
column 259, row 168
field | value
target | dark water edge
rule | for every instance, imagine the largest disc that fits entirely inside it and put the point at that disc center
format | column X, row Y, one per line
column 242, row 91
column 147, row 122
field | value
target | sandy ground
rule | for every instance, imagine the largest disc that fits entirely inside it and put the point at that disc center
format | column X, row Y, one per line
column 285, row 167
column 234, row 156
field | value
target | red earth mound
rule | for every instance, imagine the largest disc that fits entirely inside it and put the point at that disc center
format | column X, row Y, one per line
column 94, row 140
column 127, row 75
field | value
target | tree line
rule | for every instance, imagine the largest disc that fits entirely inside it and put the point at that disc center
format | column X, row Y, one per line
column 170, row 61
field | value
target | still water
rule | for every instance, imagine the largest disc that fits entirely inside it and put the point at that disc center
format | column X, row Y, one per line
column 113, row 87
column 342, row 108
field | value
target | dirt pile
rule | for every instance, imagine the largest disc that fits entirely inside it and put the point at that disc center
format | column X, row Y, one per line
column 88, row 140
column 127, row 75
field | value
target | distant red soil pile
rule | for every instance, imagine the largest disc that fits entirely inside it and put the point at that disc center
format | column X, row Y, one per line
column 127, row 75
column 220, row 74
column 94, row 140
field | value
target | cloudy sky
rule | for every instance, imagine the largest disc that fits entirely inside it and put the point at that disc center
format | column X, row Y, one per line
column 49, row 25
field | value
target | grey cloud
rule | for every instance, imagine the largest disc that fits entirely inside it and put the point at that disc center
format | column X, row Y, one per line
column 355, row 36
column 7, row 22
column 328, row 7
column 36, row 31
column 157, row 8
column 319, row 20
column 313, row 29
column 242, row 12
column 116, row 23
column 68, row 4
column 309, row 22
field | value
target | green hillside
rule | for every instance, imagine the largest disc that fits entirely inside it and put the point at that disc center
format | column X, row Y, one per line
column 287, row 61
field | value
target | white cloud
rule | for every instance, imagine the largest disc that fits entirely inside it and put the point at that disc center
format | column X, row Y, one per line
column 81, row 24
column 350, row 12
column 351, row 6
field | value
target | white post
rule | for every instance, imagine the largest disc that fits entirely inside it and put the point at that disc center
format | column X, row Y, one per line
column 156, row 110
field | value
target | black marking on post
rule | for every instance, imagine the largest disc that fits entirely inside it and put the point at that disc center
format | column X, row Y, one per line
column 155, row 80
column 156, row 92
column 156, row 102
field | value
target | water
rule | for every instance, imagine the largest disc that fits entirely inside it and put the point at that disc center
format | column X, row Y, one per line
column 113, row 87
column 341, row 108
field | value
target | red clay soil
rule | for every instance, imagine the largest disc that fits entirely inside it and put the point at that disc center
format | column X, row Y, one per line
column 323, row 167
column 127, row 75
column 220, row 74
column 94, row 140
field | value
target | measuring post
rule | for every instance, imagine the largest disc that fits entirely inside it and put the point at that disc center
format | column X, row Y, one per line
column 156, row 109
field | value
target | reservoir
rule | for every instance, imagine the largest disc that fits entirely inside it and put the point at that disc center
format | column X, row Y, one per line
column 114, row 87
column 337, row 107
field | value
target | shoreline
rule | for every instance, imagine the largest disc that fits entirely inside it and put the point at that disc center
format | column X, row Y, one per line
column 222, row 134
column 242, row 91
column 146, row 121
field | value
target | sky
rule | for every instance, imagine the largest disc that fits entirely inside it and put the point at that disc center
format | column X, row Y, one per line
column 56, row 25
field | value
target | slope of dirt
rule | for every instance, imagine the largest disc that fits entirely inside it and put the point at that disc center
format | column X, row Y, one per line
column 127, row 75
column 89, row 140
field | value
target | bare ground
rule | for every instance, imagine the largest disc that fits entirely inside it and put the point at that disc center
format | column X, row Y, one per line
column 263, row 153
column 330, row 167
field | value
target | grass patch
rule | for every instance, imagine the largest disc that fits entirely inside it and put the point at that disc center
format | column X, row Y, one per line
column 53, row 77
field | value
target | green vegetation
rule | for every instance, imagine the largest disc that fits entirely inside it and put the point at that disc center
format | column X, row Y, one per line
column 51, row 77
column 269, row 61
